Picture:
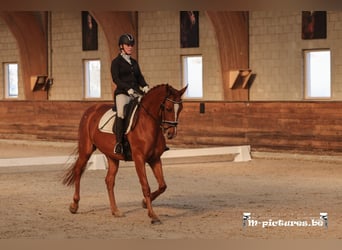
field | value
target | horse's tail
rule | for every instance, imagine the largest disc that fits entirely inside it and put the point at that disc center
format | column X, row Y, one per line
column 76, row 169
column 69, row 175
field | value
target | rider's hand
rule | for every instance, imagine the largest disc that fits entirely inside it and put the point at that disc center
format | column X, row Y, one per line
column 145, row 89
column 130, row 92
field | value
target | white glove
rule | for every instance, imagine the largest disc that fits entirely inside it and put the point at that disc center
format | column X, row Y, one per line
column 130, row 92
column 145, row 89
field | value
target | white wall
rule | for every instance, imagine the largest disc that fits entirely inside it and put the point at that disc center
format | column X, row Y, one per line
column 67, row 58
column 9, row 53
column 160, row 52
column 276, row 54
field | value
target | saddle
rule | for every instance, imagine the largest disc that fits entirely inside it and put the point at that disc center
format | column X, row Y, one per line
column 108, row 120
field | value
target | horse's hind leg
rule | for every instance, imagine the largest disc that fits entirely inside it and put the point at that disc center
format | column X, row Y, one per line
column 113, row 167
column 78, row 170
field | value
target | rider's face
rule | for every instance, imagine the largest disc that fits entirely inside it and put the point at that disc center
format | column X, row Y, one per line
column 127, row 49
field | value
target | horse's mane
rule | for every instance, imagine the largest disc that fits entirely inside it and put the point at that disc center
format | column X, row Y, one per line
column 156, row 87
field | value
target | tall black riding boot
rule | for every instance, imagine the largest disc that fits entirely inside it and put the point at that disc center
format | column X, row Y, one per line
column 118, row 149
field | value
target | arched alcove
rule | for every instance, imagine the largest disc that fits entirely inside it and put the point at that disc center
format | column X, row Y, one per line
column 231, row 28
column 29, row 30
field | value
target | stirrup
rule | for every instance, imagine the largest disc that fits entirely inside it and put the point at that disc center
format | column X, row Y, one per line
column 118, row 149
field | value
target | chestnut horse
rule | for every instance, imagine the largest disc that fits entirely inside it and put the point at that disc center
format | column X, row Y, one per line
column 157, row 115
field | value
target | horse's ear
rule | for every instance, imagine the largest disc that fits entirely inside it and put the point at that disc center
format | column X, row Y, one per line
column 181, row 92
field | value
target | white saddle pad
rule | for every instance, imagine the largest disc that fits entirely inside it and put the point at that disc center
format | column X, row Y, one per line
column 107, row 121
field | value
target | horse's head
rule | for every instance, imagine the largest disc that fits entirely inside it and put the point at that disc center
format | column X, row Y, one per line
column 170, row 110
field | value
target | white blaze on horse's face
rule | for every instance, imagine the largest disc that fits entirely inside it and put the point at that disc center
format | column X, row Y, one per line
column 170, row 117
column 176, row 107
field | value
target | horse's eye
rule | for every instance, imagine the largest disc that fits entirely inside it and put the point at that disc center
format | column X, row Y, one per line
column 169, row 109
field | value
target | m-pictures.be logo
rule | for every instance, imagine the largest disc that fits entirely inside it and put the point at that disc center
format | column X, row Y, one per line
column 248, row 221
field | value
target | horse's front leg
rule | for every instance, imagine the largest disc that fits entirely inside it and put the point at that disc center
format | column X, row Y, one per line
column 141, row 171
column 158, row 174
column 113, row 167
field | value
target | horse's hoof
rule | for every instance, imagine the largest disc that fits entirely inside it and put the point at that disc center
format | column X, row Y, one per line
column 143, row 204
column 156, row 222
column 118, row 214
column 73, row 209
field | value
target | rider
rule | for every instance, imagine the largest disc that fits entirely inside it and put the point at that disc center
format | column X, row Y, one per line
column 129, row 80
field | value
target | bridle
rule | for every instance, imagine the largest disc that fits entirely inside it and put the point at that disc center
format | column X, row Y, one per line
column 170, row 124
column 164, row 124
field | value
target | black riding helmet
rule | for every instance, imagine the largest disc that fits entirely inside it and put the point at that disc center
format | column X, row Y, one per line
column 126, row 39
